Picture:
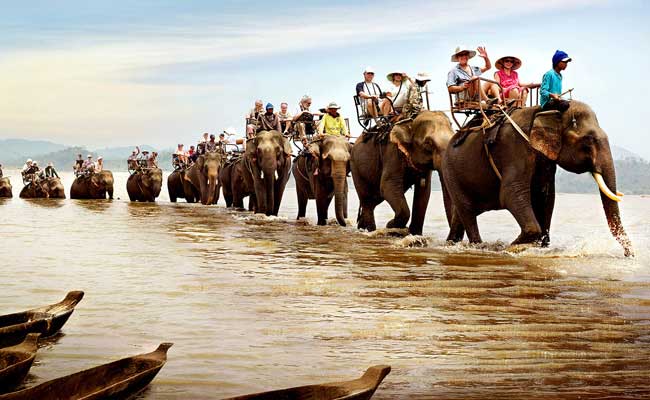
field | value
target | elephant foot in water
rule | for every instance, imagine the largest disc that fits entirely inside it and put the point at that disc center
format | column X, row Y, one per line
column 534, row 238
column 366, row 220
column 392, row 224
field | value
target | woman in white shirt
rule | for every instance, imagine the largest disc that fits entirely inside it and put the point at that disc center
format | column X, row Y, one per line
column 399, row 92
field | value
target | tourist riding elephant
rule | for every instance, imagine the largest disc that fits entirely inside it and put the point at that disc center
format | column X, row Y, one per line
column 526, row 185
column 204, row 176
column 321, row 173
column 237, row 183
column 45, row 188
column 268, row 162
column 179, row 187
column 386, row 170
column 5, row 187
column 94, row 186
column 144, row 185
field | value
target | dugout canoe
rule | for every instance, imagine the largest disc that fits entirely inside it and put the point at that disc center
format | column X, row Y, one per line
column 117, row 380
column 46, row 320
column 16, row 361
column 357, row 389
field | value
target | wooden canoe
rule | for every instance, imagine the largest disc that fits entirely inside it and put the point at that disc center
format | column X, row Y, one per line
column 46, row 320
column 117, row 380
column 358, row 389
column 16, row 361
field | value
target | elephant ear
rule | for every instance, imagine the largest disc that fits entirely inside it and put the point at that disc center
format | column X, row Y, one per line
column 314, row 148
column 546, row 133
column 402, row 136
column 283, row 143
column 199, row 162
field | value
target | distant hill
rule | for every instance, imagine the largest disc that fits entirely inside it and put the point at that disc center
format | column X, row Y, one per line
column 12, row 149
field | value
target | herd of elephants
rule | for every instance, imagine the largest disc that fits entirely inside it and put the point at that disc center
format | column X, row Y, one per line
column 513, row 174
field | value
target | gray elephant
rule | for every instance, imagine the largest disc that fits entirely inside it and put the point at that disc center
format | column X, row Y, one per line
column 180, row 188
column 268, row 162
column 44, row 188
column 204, row 176
column 144, row 185
column 520, row 176
column 98, row 185
column 321, row 174
column 5, row 187
column 385, row 170
column 237, row 183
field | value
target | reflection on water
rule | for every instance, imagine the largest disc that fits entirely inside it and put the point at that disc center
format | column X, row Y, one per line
column 254, row 303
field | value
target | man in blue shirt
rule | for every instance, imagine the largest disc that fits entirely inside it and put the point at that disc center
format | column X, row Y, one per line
column 551, row 88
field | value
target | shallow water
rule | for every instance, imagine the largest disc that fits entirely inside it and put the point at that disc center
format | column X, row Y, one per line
column 255, row 303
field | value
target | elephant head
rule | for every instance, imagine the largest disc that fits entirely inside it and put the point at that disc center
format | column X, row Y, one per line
column 576, row 142
column 209, row 165
column 5, row 187
column 102, row 183
column 151, row 180
column 54, row 188
column 332, row 158
column 423, row 140
column 267, row 153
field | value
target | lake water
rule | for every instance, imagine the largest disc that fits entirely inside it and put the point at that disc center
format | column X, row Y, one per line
column 255, row 303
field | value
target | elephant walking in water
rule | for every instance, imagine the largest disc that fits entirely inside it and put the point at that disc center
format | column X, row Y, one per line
column 203, row 175
column 5, row 187
column 522, row 179
column 237, row 183
column 386, row 170
column 94, row 186
column 268, row 161
column 180, row 188
column 321, row 174
column 45, row 188
column 144, row 185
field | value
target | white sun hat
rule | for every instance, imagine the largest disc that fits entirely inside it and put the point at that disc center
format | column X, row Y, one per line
column 461, row 49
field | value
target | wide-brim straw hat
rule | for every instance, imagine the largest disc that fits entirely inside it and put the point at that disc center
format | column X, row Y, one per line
column 462, row 49
column 390, row 76
column 515, row 65
column 422, row 77
column 333, row 105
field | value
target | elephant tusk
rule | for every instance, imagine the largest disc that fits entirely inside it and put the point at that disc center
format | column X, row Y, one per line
column 603, row 187
column 276, row 175
column 619, row 194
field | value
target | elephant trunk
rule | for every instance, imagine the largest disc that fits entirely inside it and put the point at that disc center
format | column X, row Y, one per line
column 212, row 185
column 269, row 188
column 339, row 169
column 609, row 198
column 109, row 190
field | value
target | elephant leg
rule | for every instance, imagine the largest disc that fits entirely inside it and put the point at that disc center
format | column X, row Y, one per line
column 456, row 228
column 252, row 202
column 366, row 216
column 303, row 198
column 421, row 196
column 392, row 192
column 323, row 200
column 543, row 198
column 517, row 199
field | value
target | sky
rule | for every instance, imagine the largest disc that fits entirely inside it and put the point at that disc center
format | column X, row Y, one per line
column 113, row 73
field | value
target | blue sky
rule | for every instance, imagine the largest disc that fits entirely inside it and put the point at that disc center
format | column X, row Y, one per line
column 161, row 72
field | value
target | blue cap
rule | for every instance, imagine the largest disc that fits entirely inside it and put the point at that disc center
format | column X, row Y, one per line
column 269, row 105
column 560, row 56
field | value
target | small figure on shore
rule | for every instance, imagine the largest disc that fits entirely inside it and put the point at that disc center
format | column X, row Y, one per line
column 465, row 77
column 50, row 172
column 551, row 87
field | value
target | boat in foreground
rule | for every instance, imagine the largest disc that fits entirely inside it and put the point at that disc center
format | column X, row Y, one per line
column 358, row 389
column 117, row 380
column 46, row 320
column 16, row 361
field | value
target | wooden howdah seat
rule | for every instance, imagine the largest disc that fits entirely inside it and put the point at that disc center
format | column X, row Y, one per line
column 368, row 122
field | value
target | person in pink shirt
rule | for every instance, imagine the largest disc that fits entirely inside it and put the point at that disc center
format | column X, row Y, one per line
column 508, row 78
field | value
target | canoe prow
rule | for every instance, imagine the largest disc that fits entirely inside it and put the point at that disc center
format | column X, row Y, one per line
column 15, row 362
column 376, row 374
column 160, row 354
column 29, row 345
column 73, row 298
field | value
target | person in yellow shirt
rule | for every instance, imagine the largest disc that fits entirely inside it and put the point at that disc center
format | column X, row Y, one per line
column 333, row 123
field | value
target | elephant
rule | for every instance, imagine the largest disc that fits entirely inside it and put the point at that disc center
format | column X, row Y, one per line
column 386, row 170
column 203, row 175
column 94, row 186
column 525, row 183
column 44, row 188
column 5, row 187
column 267, row 160
column 180, row 188
column 237, row 183
column 144, row 185
column 321, row 174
